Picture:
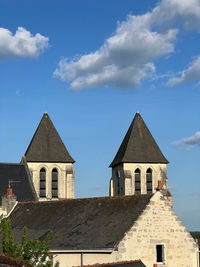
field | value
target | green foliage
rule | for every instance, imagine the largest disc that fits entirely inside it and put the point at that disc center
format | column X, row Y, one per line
column 34, row 251
column 195, row 234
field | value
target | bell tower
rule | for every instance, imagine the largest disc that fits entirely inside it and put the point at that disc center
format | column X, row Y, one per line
column 49, row 163
column 139, row 166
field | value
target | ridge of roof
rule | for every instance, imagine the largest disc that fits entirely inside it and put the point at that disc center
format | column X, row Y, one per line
column 138, row 145
column 85, row 199
column 10, row 163
column 46, row 144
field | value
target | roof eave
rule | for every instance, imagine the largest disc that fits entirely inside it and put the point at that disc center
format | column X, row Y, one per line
column 142, row 162
column 100, row 250
column 52, row 161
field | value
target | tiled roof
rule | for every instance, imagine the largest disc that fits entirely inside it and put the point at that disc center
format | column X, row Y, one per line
column 46, row 144
column 21, row 183
column 138, row 145
column 90, row 223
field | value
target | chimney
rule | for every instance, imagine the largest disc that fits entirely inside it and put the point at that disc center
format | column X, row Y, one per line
column 9, row 192
column 159, row 184
column 8, row 200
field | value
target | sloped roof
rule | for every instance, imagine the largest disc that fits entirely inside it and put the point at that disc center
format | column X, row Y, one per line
column 22, row 185
column 90, row 223
column 46, row 144
column 138, row 145
column 136, row 263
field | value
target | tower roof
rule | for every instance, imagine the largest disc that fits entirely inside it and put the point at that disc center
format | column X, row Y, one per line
column 46, row 144
column 138, row 145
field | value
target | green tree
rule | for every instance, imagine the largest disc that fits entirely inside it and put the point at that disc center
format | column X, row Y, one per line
column 34, row 251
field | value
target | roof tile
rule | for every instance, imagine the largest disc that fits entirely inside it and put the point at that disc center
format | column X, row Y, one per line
column 80, row 223
column 46, row 144
column 138, row 145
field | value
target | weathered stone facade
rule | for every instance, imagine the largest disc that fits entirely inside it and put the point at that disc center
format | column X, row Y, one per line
column 65, row 179
column 123, row 178
column 157, row 225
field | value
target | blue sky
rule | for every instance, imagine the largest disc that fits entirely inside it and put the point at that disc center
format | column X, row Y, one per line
column 91, row 65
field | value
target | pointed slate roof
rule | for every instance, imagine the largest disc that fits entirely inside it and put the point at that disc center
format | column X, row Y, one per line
column 138, row 145
column 46, row 144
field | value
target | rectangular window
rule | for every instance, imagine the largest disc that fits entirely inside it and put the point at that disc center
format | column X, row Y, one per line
column 160, row 254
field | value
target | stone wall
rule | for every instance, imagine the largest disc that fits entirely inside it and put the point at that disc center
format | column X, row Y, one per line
column 158, row 224
column 65, row 179
column 124, row 174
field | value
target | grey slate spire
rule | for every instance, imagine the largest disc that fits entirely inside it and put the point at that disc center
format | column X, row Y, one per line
column 138, row 145
column 46, row 144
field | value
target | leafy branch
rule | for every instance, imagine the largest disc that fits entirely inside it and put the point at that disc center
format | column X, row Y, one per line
column 35, row 252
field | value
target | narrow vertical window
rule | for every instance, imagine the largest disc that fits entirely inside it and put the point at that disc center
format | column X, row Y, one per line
column 54, row 183
column 137, row 182
column 118, row 182
column 149, row 181
column 160, row 257
column 43, row 182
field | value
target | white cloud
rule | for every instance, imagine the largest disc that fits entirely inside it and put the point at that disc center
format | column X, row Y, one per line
column 172, row 11
column 190, row 74
column 189, row 141
column 128, row 57
column 21, row 44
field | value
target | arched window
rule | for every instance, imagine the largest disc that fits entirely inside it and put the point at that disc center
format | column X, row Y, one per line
column 54, row 187
column 43, row 182
column 137, row 182
column 149, row 181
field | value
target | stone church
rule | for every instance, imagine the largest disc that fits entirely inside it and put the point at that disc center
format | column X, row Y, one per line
column 135, row 224
column 49, row 163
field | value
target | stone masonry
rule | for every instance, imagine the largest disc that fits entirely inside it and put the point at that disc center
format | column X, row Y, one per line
column 123, row 175
column 158, row 224
column 65, row 178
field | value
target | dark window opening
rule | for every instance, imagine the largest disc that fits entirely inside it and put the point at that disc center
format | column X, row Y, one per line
column 54, row 186
column 137, row 182
column 160, row 253
column 118, row 182
column 43, row 182
column 149, row 181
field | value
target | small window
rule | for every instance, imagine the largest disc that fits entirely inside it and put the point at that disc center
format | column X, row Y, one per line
column 160, row 258
column 43, row 182
column 149, row 181
column 137, row 182
column 54, row 183
column 118, row 182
